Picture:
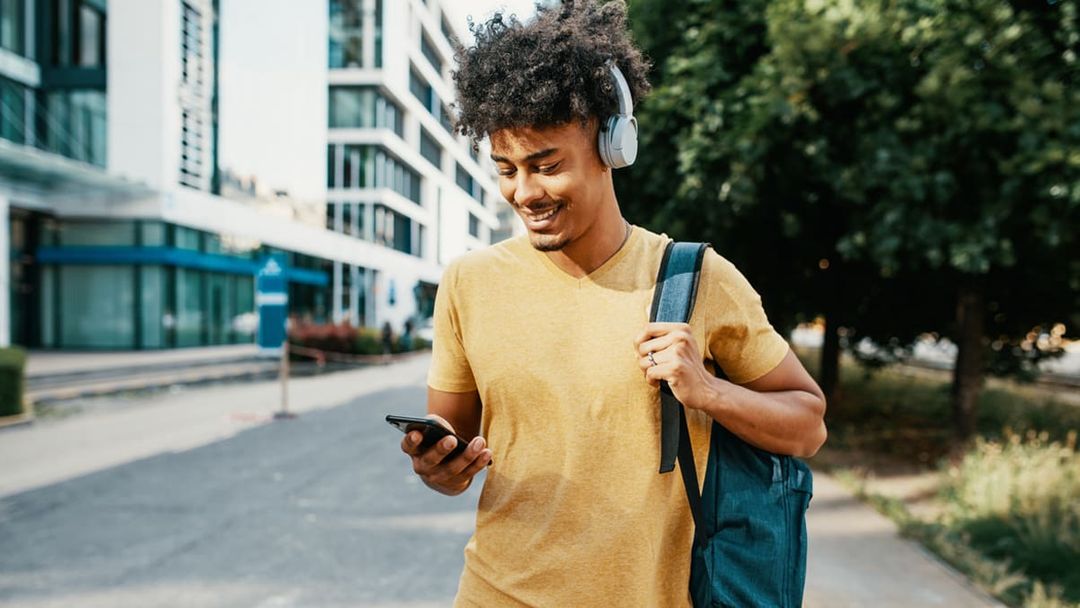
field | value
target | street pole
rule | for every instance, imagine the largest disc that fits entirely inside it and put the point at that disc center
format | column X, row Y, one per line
column 283, row 413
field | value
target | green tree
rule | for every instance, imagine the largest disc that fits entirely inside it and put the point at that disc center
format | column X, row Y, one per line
column 900, row 167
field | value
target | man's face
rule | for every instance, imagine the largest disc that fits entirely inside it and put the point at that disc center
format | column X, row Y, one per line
column 553, row 177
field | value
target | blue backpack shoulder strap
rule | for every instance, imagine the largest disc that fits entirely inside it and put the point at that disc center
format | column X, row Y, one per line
column 673, row 302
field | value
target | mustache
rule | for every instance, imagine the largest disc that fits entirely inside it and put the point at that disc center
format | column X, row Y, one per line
column 541, row 205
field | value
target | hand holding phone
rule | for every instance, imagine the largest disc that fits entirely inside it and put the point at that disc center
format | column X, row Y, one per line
column 445, row 461
column 430, row 431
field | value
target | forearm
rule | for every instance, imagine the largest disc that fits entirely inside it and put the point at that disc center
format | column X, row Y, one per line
column 786, row 422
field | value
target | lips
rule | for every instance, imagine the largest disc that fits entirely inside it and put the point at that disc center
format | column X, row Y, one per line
column 542, row 218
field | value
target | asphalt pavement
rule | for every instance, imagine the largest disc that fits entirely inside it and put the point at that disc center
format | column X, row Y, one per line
column 200, row 498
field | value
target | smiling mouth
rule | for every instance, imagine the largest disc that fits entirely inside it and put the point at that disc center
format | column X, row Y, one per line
column 540, row 220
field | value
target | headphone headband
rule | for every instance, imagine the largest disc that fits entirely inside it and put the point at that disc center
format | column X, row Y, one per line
column 622, row 89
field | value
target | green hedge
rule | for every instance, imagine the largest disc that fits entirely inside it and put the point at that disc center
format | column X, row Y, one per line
column 12, row 363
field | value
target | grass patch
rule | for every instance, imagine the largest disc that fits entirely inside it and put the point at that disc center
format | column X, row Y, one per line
column 1007, row 508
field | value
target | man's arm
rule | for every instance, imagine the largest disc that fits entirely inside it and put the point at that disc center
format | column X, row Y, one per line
column 460, row 412
column 782, row 412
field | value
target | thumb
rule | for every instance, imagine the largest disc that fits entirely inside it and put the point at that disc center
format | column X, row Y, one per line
column 442, row 421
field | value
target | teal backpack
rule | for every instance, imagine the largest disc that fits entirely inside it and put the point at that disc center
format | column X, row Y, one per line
column 749, row 519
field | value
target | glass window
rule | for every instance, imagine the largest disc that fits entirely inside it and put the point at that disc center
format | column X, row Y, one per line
column 152, row 233
column 346, row 218
column 364, row 107
column 330, row 216
column 244, row 322
column 77, row 127
column 474, row 226
column 445, row 119
column 346, row 34
column 432, row 55
column 63, row 32
column 364, row 166
column 219, row 301
column 91, row 37
column 13, row 26
column 189, row 309
column 331, row 166
column 191, row 39
column 187, row 238
column 394, row 230
column 378, row 33
column 95, row 233
column 12, row 111
column 152, row 306
column 212, row 244
column 466, row 182
column 430, row 149
column 421, row 89
column 97, row 306
column 445, row 25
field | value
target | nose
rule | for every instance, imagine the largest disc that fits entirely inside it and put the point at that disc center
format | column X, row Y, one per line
column 526, row 189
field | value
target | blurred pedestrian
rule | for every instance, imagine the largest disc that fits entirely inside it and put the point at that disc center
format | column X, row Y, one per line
column 387, row 339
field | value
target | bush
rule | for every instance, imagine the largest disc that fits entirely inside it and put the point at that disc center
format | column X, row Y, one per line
column 1020, row 501
column 344, row 338
column 12, row 364
column 368, row 341
column 337, row 338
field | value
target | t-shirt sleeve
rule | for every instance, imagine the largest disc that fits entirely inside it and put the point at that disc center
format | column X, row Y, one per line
column 741, row 339
column 450, row 371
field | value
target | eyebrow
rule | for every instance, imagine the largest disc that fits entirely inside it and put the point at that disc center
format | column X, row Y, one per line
column 533, row 156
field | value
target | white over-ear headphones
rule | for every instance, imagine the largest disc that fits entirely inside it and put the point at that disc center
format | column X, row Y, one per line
column 618, row 134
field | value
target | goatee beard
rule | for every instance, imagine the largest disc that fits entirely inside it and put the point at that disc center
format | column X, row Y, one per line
column 548, row 244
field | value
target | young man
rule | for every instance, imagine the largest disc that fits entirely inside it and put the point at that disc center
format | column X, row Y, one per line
column 544, row 357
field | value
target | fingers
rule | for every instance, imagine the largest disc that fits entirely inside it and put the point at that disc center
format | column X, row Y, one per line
column 410, row 443
column 449, row 475
column 658, row 344
column 434, row 455
column 655, row 330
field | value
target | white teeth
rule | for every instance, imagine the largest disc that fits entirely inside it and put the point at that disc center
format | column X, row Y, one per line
column 544, row 216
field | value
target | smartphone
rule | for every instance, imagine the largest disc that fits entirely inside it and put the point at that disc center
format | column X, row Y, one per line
column 432, row 431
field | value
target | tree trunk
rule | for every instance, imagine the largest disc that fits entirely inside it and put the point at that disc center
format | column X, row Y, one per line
column 830, row 358
column 968, row 373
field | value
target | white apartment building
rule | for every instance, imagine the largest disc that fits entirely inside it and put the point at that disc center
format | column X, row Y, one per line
column 110, row 176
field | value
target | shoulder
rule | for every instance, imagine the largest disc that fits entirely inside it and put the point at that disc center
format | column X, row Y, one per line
column 725, row 284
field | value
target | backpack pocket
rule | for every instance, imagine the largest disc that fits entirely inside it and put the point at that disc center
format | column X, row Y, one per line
column 755, row 548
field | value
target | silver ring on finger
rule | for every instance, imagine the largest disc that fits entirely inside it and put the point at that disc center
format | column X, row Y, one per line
column 652, row 361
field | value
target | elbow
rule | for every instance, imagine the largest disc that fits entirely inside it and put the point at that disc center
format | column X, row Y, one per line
column 818, row 433
column 814, row 441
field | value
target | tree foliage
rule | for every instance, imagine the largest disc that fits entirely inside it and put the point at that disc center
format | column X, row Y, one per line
column 878, row 162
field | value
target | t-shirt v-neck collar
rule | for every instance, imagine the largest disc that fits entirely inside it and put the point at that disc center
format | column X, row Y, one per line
column 596, row 274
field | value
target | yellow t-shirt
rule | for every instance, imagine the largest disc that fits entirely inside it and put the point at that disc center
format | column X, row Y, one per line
column 573, row 511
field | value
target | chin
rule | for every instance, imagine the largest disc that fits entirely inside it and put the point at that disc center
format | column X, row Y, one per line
column 548, row 242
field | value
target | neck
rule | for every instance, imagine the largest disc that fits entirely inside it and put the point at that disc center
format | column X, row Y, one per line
column 596, row 246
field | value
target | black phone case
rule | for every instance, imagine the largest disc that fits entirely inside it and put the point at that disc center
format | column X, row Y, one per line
column 433, row 432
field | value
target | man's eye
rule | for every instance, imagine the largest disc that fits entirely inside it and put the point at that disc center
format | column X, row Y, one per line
column 506, row 172
column 549, row 168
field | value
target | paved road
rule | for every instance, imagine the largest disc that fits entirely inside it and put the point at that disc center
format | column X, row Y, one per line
column 198, row 499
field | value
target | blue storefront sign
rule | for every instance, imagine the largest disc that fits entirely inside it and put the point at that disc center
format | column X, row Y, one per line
column 272, row 302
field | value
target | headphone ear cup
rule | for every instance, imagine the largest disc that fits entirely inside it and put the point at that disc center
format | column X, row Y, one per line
column 627, row 141
column 618, row 143
column 604, row 140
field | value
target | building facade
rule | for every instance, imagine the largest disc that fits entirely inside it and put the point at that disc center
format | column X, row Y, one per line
column 111, row 193
column 397, row 176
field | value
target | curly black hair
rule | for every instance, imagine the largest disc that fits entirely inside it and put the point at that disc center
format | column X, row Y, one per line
column 545, row 72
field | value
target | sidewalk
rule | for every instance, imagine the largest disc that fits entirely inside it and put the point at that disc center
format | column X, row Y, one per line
column 856, row 557
column 41, row 363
